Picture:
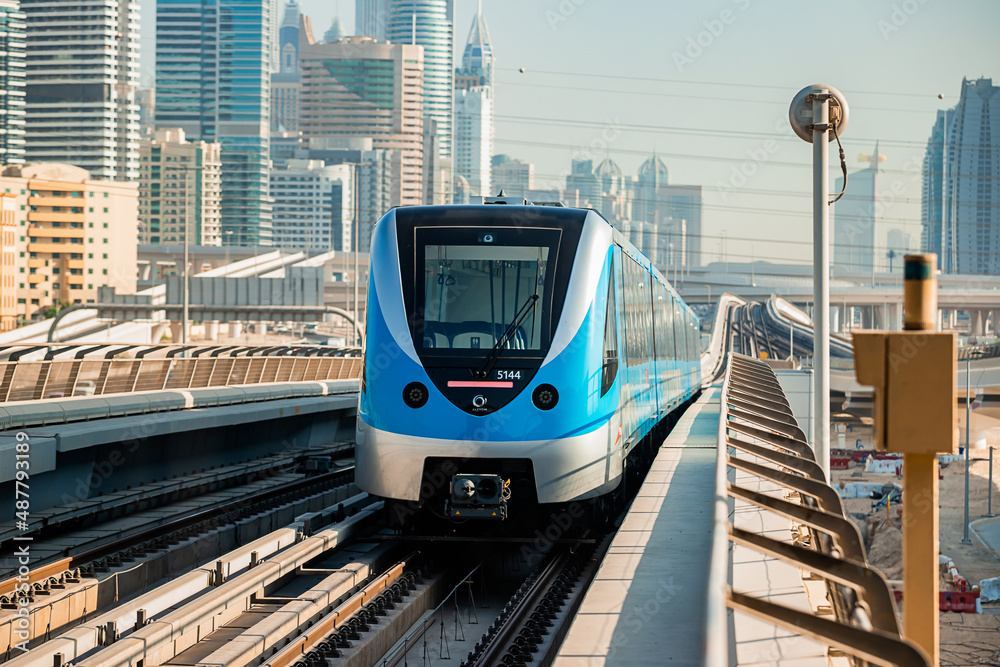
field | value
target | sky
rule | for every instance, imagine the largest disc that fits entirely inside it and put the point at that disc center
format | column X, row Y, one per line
column 707, row 86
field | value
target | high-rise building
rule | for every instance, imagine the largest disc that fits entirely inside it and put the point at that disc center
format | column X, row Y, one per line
column 437, row 168
column 474, row 137
column 79, row 234
column 379, row 174
column 360, row 88
column 11, row 83
column 857, row 220
column 932, row 190
column 313, row 206
column 285, row 82
column 614, row 201
column 966, row 142
column 648, row 188
column 371, row 18
column 213, row 77
column 179, row 190
column 584, row 182
column 82, row 64
column 474, row 110
column 146, row 99
column 431, row 24
column 478, row 57
column 674, row 211
column 515, row 177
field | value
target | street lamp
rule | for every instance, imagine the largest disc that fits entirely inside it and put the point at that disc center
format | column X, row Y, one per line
column 356, row 188
column 185, row 279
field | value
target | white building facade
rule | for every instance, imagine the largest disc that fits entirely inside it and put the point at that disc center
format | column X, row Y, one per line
column 82, row 62
column 313, row 206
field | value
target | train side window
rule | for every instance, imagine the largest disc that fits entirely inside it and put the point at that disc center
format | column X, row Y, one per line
column 609, row 369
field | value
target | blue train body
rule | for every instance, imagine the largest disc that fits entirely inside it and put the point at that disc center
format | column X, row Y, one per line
column 534, row 344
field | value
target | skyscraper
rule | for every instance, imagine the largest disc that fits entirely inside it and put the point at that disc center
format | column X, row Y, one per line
column 285, row 82
column 478, row 57
column 430, row 23
column 856, row 218
column 371, row 18
column 213, row 75
column 970, row 192
column 11, row 82
column 932, row 192
column 357, row 88
column 80, row 108
column 474, row 110
column 673, row 211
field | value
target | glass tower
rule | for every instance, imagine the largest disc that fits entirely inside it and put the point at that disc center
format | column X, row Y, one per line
column 430, row 23
column 213, row 75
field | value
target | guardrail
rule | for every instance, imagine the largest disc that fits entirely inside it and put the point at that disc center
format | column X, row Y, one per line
column 758, row 435
column 36, row 372
column 965, row 353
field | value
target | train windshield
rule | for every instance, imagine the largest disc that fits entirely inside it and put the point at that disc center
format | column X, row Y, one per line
column 472, row 293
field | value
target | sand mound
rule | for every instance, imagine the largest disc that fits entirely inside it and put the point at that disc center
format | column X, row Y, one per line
column 886, row 552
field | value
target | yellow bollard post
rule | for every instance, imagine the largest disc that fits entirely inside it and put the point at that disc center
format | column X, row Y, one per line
column 920, row 552
column 920, row 481
column 913, row 375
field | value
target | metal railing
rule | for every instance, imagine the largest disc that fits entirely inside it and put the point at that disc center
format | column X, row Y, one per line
column 36, row 372
column 759, row 436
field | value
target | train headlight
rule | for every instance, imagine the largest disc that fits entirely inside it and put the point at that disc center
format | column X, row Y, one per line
column 488, row 491
column 463, row 489
column 415, row 395
column 545, row 397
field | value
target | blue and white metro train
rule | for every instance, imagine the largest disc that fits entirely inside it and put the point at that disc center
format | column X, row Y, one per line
column 516, row 356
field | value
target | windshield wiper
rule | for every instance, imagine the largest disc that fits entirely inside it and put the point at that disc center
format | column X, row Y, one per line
column 498, row 347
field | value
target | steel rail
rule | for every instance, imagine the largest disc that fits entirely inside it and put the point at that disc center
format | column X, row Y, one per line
column 335, row 619
column 72, row 563
column 493, row 652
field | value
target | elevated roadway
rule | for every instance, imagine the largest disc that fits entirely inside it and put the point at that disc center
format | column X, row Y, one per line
column 780, row 332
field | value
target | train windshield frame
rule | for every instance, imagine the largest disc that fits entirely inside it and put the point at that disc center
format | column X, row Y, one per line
column 473, row 284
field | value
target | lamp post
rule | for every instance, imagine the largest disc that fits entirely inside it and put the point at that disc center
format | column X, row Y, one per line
column 818, row 114
column 968, row 430
column 356, row 196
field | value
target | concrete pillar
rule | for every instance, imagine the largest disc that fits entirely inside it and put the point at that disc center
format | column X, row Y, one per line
column 835, row 321
column 260, row 327
column 866, row 317
column 952, row 318
column 235, row 329
column 895, row 317
column 157, row 332
column 877, row 318
column 996, row 322
column 212, row 330
column 175, row 332
column 977, row 322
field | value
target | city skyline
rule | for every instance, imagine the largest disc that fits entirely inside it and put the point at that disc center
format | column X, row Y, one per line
column 555, row 110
